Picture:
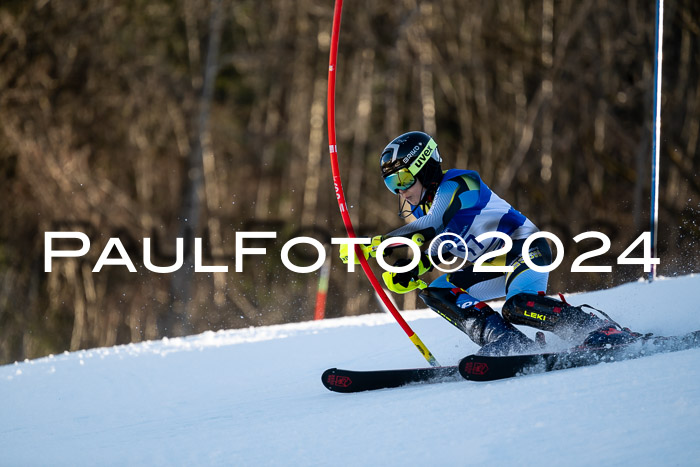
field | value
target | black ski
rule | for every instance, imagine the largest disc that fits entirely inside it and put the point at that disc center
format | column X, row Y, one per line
column 486, row 368
column 338, row 380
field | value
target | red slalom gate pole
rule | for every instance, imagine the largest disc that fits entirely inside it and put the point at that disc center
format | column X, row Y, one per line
column 322, row 293
column 340, row 195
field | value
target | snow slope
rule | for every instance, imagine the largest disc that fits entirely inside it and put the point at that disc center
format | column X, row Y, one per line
column 254, row 397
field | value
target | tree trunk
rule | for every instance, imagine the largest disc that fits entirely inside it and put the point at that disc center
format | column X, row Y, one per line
column 176, row 320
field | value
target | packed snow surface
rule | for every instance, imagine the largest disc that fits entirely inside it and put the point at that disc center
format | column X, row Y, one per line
column 254, row 397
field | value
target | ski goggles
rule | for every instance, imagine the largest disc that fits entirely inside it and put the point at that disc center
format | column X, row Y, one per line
column 403, row 179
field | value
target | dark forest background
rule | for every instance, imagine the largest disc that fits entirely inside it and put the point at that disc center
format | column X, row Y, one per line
column 200, row 118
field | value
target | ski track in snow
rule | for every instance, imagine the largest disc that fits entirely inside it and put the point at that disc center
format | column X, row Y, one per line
column 254, row 397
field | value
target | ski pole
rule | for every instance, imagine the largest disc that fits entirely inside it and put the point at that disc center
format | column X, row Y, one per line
column 340, row 195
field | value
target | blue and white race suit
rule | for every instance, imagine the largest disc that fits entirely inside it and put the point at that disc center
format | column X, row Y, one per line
column 465, row 207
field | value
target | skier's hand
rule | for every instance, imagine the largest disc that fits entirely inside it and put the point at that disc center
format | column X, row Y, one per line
column 403, row 282
column 413, row 284
column 367, row 250
column 418, row 239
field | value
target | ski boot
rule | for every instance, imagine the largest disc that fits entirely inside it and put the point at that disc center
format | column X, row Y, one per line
column 610, row 335
column 484, row 326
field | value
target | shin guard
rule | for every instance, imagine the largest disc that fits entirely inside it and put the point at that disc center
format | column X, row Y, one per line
column 548, row 314
column 485, row 327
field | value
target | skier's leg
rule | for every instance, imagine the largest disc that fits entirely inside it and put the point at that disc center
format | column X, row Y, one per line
column 567, row 321
column 475, row 318
column 549, row 314
column 526, row 304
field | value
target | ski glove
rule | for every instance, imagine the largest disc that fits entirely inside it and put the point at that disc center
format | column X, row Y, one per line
column 404, row 282
column 367, row 250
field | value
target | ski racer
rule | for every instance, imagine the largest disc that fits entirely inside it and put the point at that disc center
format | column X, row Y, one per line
column 458, row 206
